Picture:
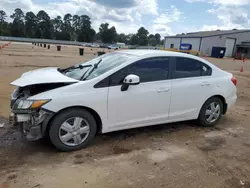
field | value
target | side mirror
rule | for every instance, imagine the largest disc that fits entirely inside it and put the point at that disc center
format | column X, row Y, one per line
column 130, row 80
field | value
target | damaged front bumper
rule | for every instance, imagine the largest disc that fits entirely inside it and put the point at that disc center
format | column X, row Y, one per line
column 33, row 123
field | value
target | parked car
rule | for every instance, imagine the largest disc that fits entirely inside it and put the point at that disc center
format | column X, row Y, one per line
column 114, row 47
column 103, row 46
column 95, row 45
column 120, row 90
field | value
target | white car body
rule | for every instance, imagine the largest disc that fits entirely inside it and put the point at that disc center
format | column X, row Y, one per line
column 95, row 45
column 145, row 104
column 113, row 47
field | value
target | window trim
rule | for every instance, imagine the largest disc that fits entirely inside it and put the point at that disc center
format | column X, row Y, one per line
column 174, row 68
column 105, row 82
column 169, row 77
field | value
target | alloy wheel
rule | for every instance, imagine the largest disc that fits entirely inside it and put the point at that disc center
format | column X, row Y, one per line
column 212, row 112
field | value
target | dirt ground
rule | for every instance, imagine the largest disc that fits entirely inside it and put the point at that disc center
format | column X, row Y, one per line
column 175, row 155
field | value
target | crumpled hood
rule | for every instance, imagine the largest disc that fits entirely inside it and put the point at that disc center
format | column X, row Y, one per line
column 42, row 76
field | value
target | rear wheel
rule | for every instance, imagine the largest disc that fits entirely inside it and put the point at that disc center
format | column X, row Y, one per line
column 211, row 112
column 72, row 129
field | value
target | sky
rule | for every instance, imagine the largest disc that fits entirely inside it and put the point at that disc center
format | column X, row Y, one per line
column 166, row 17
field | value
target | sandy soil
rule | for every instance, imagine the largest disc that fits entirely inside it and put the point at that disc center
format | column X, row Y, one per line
column 172, row 155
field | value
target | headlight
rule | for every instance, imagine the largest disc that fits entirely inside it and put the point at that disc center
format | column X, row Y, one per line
column 14, row 94
column 24, row 104
column 29, row 104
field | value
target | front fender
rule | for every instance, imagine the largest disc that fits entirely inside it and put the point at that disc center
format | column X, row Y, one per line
column 93, row 100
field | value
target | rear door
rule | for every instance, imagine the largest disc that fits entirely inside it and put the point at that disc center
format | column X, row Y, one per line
column 143, row 104
column 191, row 85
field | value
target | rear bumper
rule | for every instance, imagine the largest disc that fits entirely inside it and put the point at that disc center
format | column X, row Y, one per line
column 231, row 101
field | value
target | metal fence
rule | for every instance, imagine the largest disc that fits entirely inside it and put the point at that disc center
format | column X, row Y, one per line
column 64, row 42
column 37, row 40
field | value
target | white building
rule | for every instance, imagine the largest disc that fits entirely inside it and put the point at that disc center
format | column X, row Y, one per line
column 204, row 41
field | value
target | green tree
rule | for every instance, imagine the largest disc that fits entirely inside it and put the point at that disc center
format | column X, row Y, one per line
column 151, row 36
column 142, row 35
column 30, row 24
column 158, row 38
column 67, row 26
column 122, row 38
column 4, row 26
column 57, row 29
column 162, row 42
column 86, row 33
column 57, row 23
column 98, row 37
column 152, row 41
column 3, row 16
column 108, row 35
column 17, row 26
column 103, row 30
column 134, row 40
column 76, row 26
column 112, row 34
column 45, row 26
column 128, row 38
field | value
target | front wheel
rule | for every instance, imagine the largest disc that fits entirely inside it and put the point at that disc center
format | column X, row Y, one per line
column 211, row 112
column 72, row 129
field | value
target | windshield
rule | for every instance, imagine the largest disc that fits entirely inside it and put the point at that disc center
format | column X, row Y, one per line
column 106, row 63
column 76, row 71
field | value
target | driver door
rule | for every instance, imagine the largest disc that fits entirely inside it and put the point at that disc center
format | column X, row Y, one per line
column 144, row 104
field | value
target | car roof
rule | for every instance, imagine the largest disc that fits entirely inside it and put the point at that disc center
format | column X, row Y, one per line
column 153, row 53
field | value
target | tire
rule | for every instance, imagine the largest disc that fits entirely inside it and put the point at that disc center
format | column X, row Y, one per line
column 55, row 131
column 203, row 119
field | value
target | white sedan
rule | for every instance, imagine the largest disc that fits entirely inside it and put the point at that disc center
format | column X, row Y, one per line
column 120, row 90
column 114, row 47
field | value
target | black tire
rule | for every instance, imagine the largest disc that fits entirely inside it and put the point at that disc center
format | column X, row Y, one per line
column 63, row 116
column 202, row 116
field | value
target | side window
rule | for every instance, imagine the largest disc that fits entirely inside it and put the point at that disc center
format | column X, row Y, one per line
column 149, row 70
column 153, row 69
column 187, row 67
column 206, row 70
column 102, row 83
column 118, row 77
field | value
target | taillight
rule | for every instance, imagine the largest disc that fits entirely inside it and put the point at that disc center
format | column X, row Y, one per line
column 234, row 81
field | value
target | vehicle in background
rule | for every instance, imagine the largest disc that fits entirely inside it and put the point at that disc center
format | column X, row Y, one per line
column 92, row 45
column 95, row 45
column 113, row 47
column 120, row 90
column 120, row 44
column 104, row 46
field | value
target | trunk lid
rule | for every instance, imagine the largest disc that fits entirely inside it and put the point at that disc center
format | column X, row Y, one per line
column 42, row 76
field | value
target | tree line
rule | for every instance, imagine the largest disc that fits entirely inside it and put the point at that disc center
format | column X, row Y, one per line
column 70, row 27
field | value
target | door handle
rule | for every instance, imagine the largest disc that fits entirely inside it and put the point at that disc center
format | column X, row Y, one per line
column 160, row 90
column 205, row 84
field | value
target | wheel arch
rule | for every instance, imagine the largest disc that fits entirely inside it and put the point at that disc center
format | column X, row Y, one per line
column 219, row 97
column 96, row 116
